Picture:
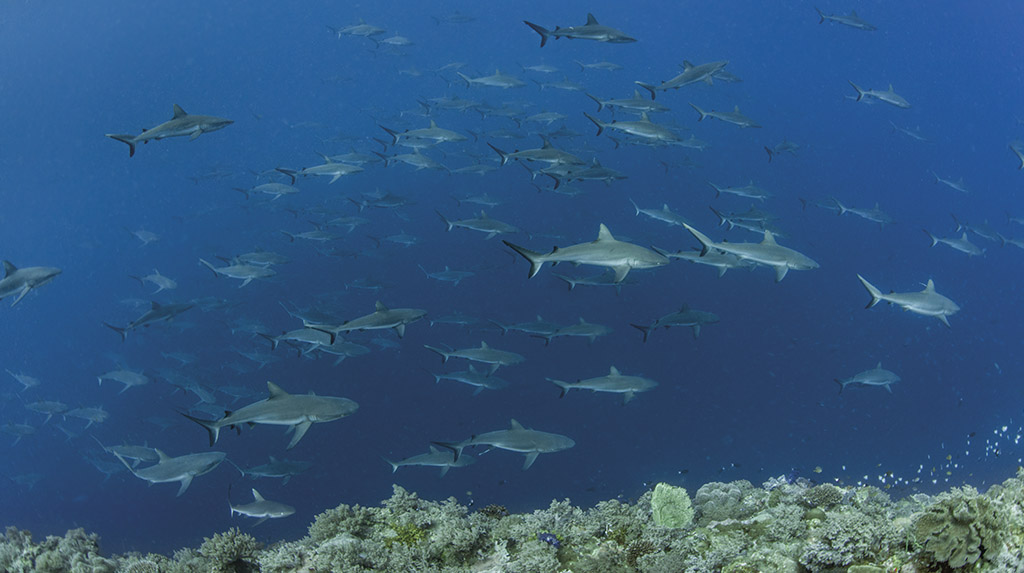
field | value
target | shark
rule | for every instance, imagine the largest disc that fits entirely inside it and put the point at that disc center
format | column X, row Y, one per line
column 275, row 190
column 957, row 185
column 22, row 281
column 180, row 125
column 961, row 243
column 156, row 314
column 605, row 251
column 297, row 411
column 582, row 329
column 767, row 252
column 613, row 382
column 875, row 214
column 685, row 316
column 243, row 271
column 889, row 96
column 127, row 377
column 484, row 353
column 261, row 508
column 482, row 223
column 634, row 104
column 877, row 376
column 276, row 468
column 643, row 128
column 547, row 153
column 721, row 261
column 448, row 275
column 592, row 30
column 444, row 459
column 926, row 302
column 734, row 117
column 474, row 378
column 159, row 281
column 1018, row 149
column 329, row 168
column 381, row 318
column 181, row 469
column 433, row 134
column 664, row 214
column 515, row 439
column 750, row 191
column 691, row 74
column 851, row 20
column 496, row 80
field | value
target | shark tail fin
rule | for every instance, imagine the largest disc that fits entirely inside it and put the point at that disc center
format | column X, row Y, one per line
column 502, row 154
column 820, row 15
column 706, row 243
column 544, row 32
column 702, row 113
column 446, row 221
column 444, row 354
column 536, row 262
column 273, row 340
column 860, row 92
column 648, row 87
column 392, row 133
column 127, row 139
column 394, row 465
column 211, row 427
column 122, row 331
column 289, row 172
column 841, row 385
column 455, row 447
column 565, row 386
column 644, row 329
column 876, row 295
column 209, row 266
column 600, row 104
column 600, row 124
column 935, row 240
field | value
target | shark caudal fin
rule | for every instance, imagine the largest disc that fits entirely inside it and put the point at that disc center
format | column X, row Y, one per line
column 649, row 87
column 600, row 124
column 644, row 329
column 565, row 386
column 210, row 425
column 536, row 262
column 122, row 331
column 544, row 32
column 126, row 139
column 876, row 295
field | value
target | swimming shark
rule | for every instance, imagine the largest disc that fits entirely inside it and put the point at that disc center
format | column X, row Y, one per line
column 926, row 302
column 180, row 125
column 435, row 457
column 767, row 252
column 180, row 469
column 23, row 281
column 381, row 318
column 734, row 117
column 515, row 439
column 851, row 20
column 691, row 75
column 877, row 376
column 261, row 508
column 276, row 468
column 484, row 353
column 298, row 411
column 685, row 316
column 592, row 30
column 614, row 382
column 242, row 271
column 606, row 251
column 156, row 314
column 889, row 96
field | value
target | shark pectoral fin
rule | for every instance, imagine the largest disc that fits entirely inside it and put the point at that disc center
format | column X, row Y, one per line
column 444, row 470
column 185, row 482
column 889, row 388
column 300, row 430
column 400, row 329
column 478, row 390
column 530, row 458
column 627, row 398
column 259, row 521
column 944, row 320
column 21, row 295
column 195, row 134
column 621, row 272
column 780, row 272
column 696, row 331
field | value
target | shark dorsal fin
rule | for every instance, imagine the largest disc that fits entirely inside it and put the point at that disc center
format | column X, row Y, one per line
column 256, row 495
column 433, row 124
column 879, row 366
column 472, row 369
column 769, row 239
column 483, row 344
column 155, row 305
column 636, row 94
column 482, row 214
column 643, row 117
column 736, row 109
column 380, row 306
column 275, row 391
column 603, row 234
column 964, row 236
column 178, row 112
column 547, row 144
column 273, row 460
column 591, row 20
column 930, row 287
column 853, row 13
column 687, row 64
column 613, row 371
column 516, row 425
column 582, row 321
column 9, row 268
column 433, row 449
column 664, row 207
column 684, row 308
column 161, row 455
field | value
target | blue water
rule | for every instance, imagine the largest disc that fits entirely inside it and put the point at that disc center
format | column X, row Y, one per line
column 752, row 398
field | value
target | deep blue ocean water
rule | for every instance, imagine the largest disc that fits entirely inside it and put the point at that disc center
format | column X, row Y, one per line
column 752, row 398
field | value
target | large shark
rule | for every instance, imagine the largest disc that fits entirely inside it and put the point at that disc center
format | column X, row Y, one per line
column 515, row 439
column 22, row 281
column 180, row 469
column 156, row 314
column 767, row 252
column 613, row 382
column 926, row 302
column 181, row 124
column 261, row 508
column 381, row 318
column 589, row 31
column 606, row 251
column 435, row 457
column 298, row 411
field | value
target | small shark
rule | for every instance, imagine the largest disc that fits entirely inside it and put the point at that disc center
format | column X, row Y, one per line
column 473, row 378
column 874, row 214
column 381, row 318
column 515, row 439
column 180, row 469
column 484, row 353
column 276, row 190
column 298, row 411
column 448, row 275
column 330, row 168
column 613, row 382
column 889, row 96
column 643, row 128
column 851, row 20
column 435, row 457
column 243, row 271
column 160, row 281
column 691, row 75
column 733, row 117
column 767, row 252
column 606, row 251
column 261, row 508
column 483, row 223
column 592, row 30
column 180, row 125
column 497, row 80
column 434, row 134
column 634, row 104
column 926, row 302
column 664, row 214
column 749, row 191
column 276, row 468
column 961, row 243
column 721, row 261
column 877, row 376
column 581, row 329
column 127, row 377
column 957, row 185
column 685, row 316
column 23, row 281
column 156, row 314
column 547, row 154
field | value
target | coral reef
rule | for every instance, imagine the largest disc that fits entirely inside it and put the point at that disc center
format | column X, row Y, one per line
column 783, row 526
